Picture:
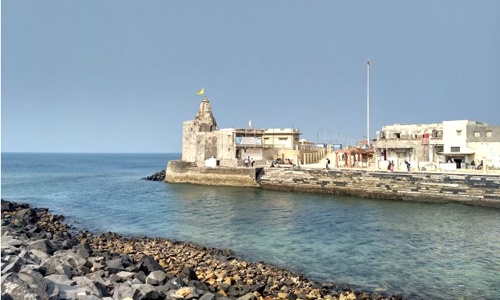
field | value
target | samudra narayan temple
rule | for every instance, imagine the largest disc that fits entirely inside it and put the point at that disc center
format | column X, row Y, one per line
column 205, row 144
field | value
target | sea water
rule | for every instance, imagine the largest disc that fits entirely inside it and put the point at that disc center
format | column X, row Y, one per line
column 420, row 250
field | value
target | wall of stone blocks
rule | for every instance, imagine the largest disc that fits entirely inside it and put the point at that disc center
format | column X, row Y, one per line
column 188, row 172
column 188, row 141
column 473, row 189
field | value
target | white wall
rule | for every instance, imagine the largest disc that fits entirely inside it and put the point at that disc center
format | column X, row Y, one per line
column 488, row 152
column 450, row 137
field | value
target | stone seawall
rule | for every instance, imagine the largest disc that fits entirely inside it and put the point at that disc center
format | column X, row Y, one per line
column 187, row 172
column 481, row 190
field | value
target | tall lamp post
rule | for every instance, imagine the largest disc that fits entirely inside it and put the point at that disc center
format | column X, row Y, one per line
column 368, row 64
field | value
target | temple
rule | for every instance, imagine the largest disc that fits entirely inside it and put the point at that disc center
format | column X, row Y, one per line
column 205, row 144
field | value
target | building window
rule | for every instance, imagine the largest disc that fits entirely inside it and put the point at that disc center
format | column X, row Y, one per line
column 398, row 135
column 266, row 139
column 489, row 133
column 455, row 149
column 477, row 134
column 283, row 139
column 459, row 132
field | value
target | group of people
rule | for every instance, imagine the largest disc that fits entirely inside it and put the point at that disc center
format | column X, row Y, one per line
column 472, row 163
column 248, row 162
column 288, row 161
column 390, row 167
column 478, row 167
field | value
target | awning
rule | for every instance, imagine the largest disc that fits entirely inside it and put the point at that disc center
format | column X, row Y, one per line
column 456, row 153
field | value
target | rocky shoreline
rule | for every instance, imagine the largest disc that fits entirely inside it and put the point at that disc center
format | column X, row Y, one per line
column 42, row 258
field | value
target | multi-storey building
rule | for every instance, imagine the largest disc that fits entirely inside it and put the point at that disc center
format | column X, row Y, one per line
column 446, row 145
column 282, row 138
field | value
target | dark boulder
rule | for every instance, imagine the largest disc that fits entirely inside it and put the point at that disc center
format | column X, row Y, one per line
column 7, row 206
column 35, row 281
column 199, row 285
column 158, row 176
column 44, row 246
column 156, row 278
column 40, row 212
column 176, row 283
column 114, row 265
column 114, row 278
column 64, row 269
column 14, row 266
column 34, row 228
column 208, row 296
column 189, row 274
column 124, row 291
column 141, row 276
column 258, row 287
column 224, row 286
column 146, row 291
column 27, row 214
column 92, row 287
column 149, row 264
column 83, row 250
column 235, row 291
column 13, row 287
column 292, row 296
column 249, row 296
column 162, row 291
column 18, row 223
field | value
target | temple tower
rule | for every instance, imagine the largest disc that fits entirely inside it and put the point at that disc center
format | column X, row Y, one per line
column 199, row 136
column 204, row 120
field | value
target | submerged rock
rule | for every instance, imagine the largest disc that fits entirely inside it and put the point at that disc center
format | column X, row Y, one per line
column 158, row 176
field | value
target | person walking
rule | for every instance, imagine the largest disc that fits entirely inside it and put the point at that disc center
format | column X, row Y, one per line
column 407, row 165
column 392, row 166
column 327, row 163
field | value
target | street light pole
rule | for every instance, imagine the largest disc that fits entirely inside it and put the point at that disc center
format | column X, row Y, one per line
column 368, row 64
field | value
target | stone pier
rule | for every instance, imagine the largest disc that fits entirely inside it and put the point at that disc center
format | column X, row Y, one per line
column 189, row 172
column 473, row 189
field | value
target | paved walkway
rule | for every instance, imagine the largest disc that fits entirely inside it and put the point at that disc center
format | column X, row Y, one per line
column 460, row 171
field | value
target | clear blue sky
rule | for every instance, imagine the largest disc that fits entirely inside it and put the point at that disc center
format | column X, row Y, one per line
column 120, row 76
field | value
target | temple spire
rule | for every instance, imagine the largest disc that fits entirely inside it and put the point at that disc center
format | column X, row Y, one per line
column 205, row 120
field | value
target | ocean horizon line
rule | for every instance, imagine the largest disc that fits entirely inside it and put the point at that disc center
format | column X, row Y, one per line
column 51, row 152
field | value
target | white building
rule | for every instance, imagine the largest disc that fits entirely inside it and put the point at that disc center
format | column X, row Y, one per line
column 282, row 138
column 448, row 145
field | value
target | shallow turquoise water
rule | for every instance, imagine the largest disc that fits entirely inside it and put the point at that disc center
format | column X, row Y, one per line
column 428, row 250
